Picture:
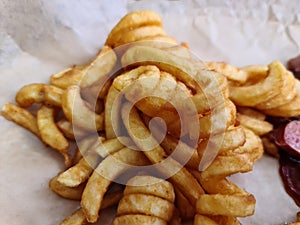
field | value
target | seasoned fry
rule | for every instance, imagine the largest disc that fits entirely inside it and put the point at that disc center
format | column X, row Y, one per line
column 185, row 209
column 50, row 134
column 203, row 220
column 227, row 205
column 68, row 77
column 231, row 72
column 112, row 112
column 81, row 171
column 73, row 193
column 78, row 113
column 260, row 92
column 39, row 93
column 167, row 166
column 21, row 117
column 78, row 217
column 150, row 185
column 104, row 174
column 259, row 127
column 145, row 204
column 69, row 130
column 138, row 219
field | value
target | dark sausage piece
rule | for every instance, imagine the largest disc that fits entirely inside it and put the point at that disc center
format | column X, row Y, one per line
column 287, row 137
column 294, row 66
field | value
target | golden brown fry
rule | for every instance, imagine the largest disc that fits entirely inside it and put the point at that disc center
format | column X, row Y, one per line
column 50, row 134
column 112, row 112
column 97, row 71
column 289, row 109
column 288, row 92
column 150, row 185
column 251, row 112
column 78, row 217
column 39, row 93
column 226, row 220
column 145, row 204
column 234, row 163
column 73, row 193
column 262, row 91
column 110, row 168
column 259, row 127
column 132, row 21
column 69, row 130
column 203, row 220
column 232, row 73
column 215, row 185
column 232, row 138
column 226, row 205
column 255, row 73
column 78, row 113
column 138, row 219
column 81, row 171
column 21, row 117
column 185, row 209
column 177, row 174
column 68, row 77
column 175, row 220
column 111, row 146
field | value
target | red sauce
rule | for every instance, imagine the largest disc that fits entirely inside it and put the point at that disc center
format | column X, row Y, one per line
column 290, row 175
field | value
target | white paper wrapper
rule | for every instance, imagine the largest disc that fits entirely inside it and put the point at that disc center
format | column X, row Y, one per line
column 39, row 38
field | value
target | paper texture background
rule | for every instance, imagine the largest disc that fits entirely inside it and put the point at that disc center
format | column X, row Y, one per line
column 40, row 37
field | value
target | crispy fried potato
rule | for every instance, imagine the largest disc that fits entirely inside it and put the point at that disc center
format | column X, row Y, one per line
column 21, row 117
column 232, row 73
column 68, row 77
column 145, row 204
column 78, row 113
column 69, row 130
column 131, row 22
column 138, row 220
column 73, row 193
column 226, row 205
column 157, row 94
column 83, row 145
column 215, row 185
column 112, row 112
column 288, row 92
column 150, row 185
column 255, row 73
column 227, row 165
column 262, row 91
column 185, row 209
column 232, row 138
column 110, row 168
column 78, row 217
column 203, row 220
column 226, row 220
column 289, row 109
column 170, row 168
column 259, row 127
column 112, row 145
column 99, row 68
column 251, row 112
column 39, row 93
column 81, row 171
column 50, row 134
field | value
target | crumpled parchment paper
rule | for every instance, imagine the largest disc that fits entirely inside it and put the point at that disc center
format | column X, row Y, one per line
column 40, row 37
